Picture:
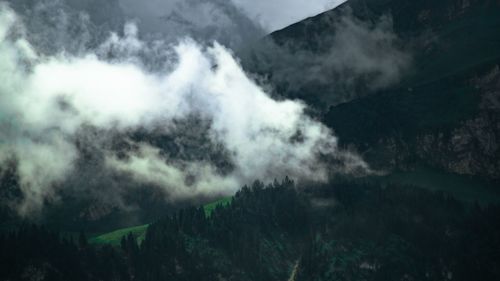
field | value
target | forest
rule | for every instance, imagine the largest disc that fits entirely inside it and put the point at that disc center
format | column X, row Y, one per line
column 342, row 231
column 139, row 140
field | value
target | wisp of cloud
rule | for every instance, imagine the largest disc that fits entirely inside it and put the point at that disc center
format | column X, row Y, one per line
column 45, row 101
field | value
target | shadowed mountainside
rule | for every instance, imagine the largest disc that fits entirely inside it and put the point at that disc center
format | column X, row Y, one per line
column 441, row 108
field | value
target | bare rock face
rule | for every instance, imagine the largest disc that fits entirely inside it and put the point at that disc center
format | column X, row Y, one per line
column 97, row 211
column 472, row 148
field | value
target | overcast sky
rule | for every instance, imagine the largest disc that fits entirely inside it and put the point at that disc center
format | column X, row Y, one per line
column 270, row 15
column 277, row 14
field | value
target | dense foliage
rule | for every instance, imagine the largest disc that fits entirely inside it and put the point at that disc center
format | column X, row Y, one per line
column 340, row 232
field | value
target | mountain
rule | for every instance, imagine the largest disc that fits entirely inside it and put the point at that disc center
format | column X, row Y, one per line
column 413, row 86
column 419, row 84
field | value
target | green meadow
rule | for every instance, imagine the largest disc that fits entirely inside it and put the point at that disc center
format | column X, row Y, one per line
column 139, row 232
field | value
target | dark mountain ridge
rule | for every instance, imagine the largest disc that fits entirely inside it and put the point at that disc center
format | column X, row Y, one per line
column 441, row 108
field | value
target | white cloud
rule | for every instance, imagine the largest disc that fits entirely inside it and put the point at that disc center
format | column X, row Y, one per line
column 45, row 102
column 183, row 179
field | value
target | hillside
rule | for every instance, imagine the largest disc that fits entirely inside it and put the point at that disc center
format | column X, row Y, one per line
column 139, row 232
column 108, row 176
column 331, row 232
column 437, row 104
column 114, row 238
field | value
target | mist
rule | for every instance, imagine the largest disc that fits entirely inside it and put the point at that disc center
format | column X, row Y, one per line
column 352, row 58
column 204, row 20
column 234, row 23
column 48, row 102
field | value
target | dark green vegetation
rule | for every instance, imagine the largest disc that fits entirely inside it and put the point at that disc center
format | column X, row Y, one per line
column 340, row 232
column 439, row 105
column 114, row 238
column 139, row 232
column 464, row 188
column 209, row 208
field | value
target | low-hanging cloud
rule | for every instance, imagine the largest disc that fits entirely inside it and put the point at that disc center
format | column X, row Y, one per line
column 47, row 101
column 241, row 20
column 349, row 58
column 205, row 20
column 235, row 23
column 71, row 26
column 77, row 25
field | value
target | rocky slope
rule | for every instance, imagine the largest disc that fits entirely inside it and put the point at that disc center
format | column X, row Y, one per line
column 473, row 146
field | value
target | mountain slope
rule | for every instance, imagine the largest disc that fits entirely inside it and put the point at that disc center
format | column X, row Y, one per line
column 441, row 107
column 331, row 232
column 139, row 232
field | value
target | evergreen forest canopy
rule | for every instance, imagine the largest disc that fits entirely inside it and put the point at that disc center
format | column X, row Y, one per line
column 282, row 232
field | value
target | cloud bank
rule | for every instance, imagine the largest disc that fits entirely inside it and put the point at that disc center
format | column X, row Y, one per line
column 205, row 20
column 77, row 25
column 47, row 101
column 233, row 17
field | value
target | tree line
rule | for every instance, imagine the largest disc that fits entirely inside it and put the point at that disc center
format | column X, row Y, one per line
column 343, row 231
